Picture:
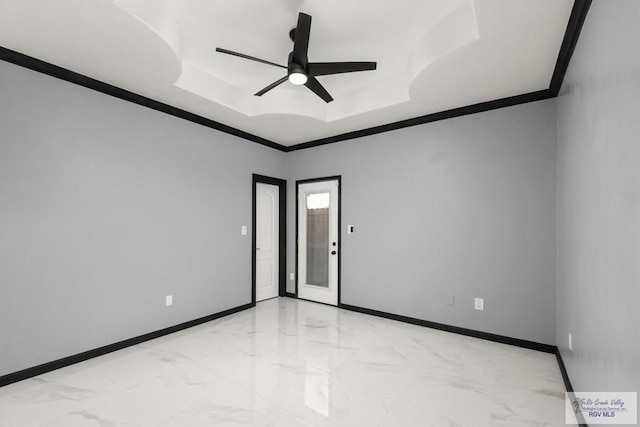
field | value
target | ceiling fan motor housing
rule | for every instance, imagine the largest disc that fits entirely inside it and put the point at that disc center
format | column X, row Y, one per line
column 293, row 67
column 299, row 70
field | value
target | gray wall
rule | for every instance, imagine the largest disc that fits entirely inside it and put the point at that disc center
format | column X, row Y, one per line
column 599, row 202
column 464, row 206
column 105, row 208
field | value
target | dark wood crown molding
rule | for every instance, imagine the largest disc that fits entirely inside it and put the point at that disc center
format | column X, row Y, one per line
column 572, row 33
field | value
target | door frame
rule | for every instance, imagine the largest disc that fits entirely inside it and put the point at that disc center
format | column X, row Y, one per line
column 308, row 181
column 282, row 232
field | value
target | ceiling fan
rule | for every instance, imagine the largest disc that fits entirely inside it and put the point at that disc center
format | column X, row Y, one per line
column 299, row 70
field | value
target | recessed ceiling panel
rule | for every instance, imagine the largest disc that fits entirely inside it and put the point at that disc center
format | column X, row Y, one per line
column 432, row 55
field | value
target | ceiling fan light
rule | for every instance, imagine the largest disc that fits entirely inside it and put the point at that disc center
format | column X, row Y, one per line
column 298, row 78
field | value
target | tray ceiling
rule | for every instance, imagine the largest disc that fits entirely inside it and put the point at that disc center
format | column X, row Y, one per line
column 432, row 56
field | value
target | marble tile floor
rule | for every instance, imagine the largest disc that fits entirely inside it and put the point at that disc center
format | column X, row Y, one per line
column 295, row 363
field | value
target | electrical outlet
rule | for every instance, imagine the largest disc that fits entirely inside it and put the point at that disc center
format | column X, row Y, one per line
column 570, row 341
column 292, row 276
column 479, row 304
column 243, row 230
column 169, row 300
column 451, row 300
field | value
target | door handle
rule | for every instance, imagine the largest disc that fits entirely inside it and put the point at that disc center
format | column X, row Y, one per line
column 333, row 252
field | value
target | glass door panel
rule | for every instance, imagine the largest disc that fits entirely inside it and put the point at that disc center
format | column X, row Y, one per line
column 317, row 211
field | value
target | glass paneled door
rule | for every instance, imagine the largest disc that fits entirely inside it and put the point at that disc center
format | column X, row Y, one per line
column 318, row 241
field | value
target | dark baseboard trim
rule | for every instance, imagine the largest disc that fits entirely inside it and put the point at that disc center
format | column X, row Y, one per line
column 80, row 357
column 563, row 371
column 546, row 348
column 77, row 358
column 567, row 383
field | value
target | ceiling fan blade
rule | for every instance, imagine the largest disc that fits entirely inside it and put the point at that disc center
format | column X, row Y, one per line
column 315, row 86
column 326, row 68
column 271, row 86
column 252, row 58
column 301, row 42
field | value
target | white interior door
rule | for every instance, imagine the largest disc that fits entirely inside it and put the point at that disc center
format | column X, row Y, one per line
column 267, row 232
column 318, row 241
